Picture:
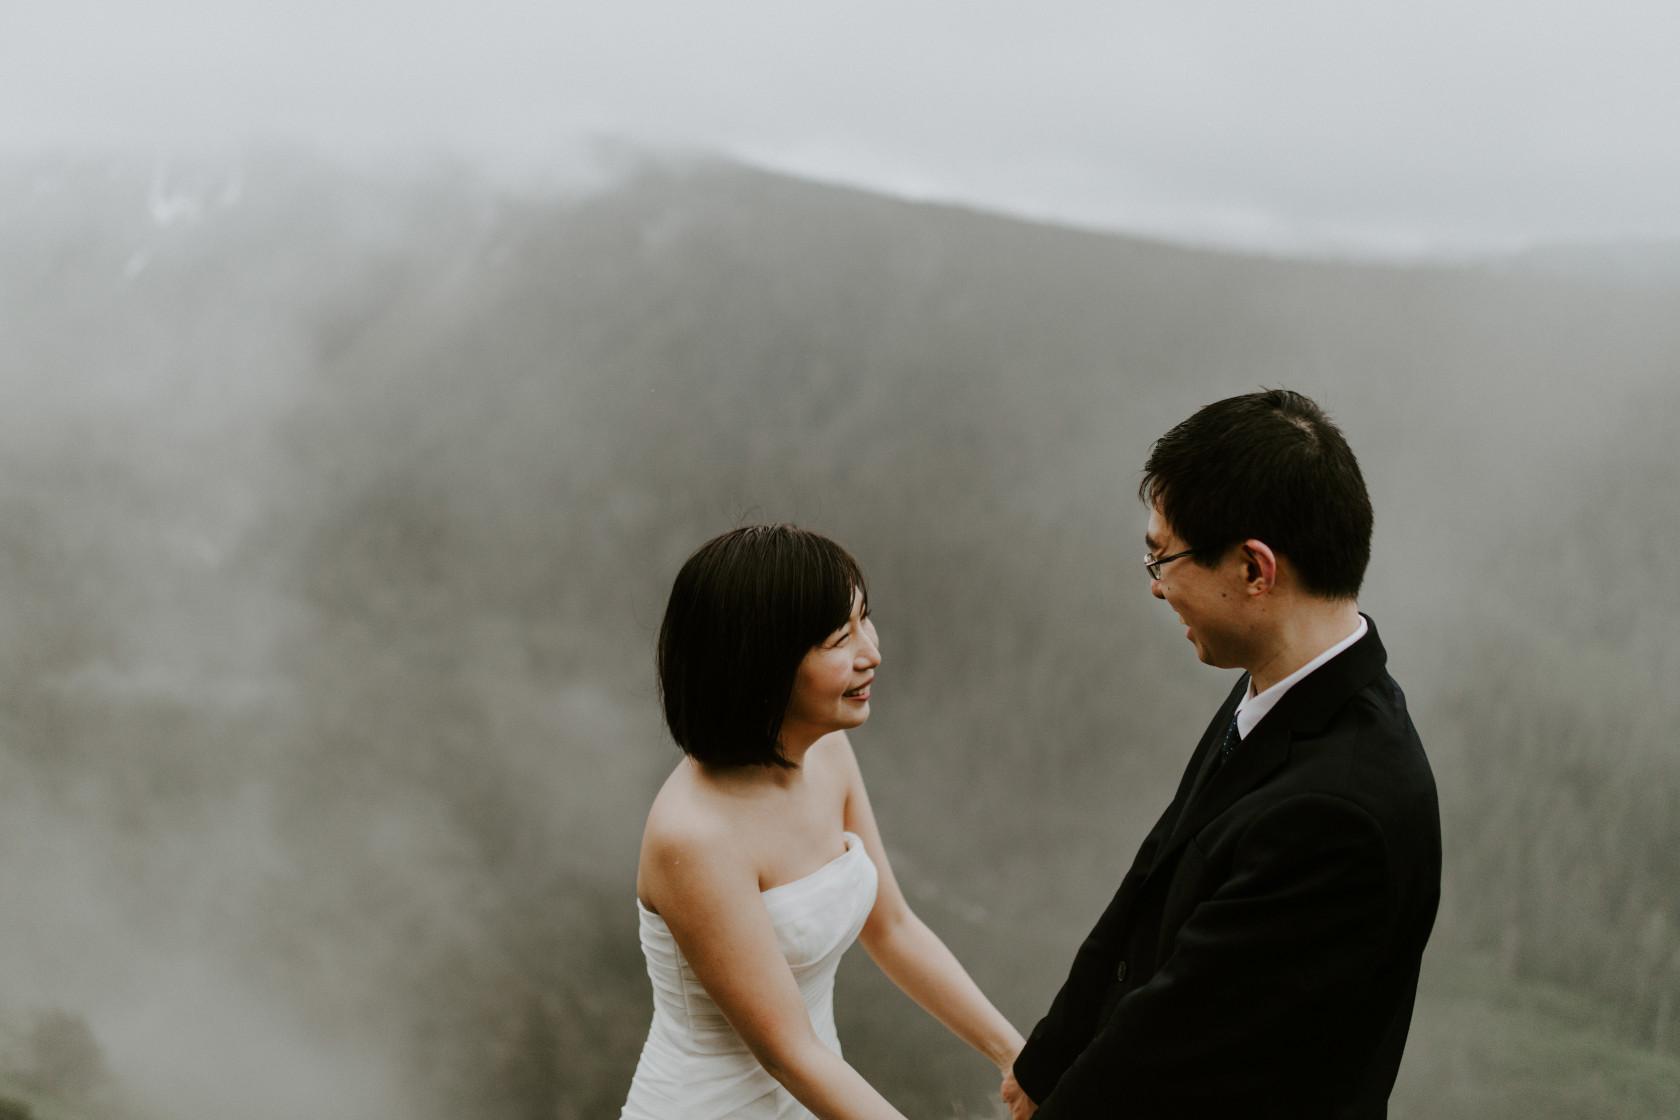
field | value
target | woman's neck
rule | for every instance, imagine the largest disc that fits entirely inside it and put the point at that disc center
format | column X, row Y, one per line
column 755, row 775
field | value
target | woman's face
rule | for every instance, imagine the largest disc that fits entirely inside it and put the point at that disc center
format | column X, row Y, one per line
column 831, row 690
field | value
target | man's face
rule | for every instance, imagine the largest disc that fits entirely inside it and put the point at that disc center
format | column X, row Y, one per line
column 1209, row 601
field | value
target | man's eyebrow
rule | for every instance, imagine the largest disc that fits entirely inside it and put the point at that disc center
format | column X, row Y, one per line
column 1149, row 543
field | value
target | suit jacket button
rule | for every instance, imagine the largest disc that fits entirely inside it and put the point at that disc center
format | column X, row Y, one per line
column 1120, row 973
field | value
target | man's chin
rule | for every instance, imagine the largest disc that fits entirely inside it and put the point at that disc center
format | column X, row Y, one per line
column 1211, row 659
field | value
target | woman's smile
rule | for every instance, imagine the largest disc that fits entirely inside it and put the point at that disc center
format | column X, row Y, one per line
column 827, row 692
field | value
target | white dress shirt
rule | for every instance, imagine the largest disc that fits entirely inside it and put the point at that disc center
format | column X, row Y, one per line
column 1252, row 708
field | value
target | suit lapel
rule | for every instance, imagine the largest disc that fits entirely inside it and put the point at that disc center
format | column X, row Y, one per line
column 1190, row 785
column 1265, row 749
column 1307, row 706
column 1148, row 853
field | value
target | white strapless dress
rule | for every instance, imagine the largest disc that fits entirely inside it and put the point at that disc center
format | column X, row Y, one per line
column 694, row 1066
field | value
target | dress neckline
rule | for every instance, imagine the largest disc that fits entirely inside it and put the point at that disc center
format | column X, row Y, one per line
column 854, row 843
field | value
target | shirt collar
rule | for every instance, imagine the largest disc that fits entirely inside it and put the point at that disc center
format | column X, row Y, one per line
column 1252, row 708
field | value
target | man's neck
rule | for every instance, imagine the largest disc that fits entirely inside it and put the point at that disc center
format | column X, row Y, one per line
column 1303, row 634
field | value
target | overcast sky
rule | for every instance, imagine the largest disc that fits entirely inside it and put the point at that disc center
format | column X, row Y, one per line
column 1391, row 127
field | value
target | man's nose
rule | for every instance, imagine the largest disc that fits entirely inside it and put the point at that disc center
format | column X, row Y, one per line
column 1155, row 589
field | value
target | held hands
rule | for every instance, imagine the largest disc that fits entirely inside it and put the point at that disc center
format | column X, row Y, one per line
column 1020, row 1105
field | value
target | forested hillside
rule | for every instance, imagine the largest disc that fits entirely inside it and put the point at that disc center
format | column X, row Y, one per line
column 339, row 515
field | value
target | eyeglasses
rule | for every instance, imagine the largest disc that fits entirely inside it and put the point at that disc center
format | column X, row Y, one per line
column 1154, row 566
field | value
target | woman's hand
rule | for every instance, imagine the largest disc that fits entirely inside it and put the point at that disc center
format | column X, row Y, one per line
column 1020, row 1105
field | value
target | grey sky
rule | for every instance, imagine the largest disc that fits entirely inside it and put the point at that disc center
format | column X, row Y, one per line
column 1394, row 126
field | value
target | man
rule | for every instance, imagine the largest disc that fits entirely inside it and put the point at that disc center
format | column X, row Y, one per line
column 1260, row 958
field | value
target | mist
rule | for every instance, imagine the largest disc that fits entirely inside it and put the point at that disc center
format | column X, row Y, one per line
column 339, row 510
column 1397, row 130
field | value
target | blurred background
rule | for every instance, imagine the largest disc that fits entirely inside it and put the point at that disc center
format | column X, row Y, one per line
column 367, row 371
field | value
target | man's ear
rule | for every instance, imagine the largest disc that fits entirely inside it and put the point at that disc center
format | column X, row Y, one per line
column 1260, row 566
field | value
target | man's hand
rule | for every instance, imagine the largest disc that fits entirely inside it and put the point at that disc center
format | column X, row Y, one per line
column 1020, row 1105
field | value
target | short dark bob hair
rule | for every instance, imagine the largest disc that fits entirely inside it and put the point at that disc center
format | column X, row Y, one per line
column 1266, row 466
column 744, row 611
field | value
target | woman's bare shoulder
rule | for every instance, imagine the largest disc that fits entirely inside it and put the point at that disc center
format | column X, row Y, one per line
column 688, row 835
column 833, row 754
column 683, row 816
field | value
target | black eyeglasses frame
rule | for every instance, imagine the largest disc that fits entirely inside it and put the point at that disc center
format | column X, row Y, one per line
column 1153, row 566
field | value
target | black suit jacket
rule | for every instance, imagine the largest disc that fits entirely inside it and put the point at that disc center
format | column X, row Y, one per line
column 1261, row 956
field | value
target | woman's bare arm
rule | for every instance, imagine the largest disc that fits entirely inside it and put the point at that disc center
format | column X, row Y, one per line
column 911, row 954
column 707, row 894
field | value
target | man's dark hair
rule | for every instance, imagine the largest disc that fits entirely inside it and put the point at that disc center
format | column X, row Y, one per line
column 744, row 611
column 1267, row 466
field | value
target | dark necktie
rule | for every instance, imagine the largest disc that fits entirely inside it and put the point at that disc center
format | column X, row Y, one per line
column 1233, row 739
column 1227, row 748
column 1216, row 759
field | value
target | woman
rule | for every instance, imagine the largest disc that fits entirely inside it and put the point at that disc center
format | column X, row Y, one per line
column 761, row 862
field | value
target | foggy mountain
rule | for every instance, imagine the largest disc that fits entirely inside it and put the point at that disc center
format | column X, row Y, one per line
column 339, row 514
column 1627, row 263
